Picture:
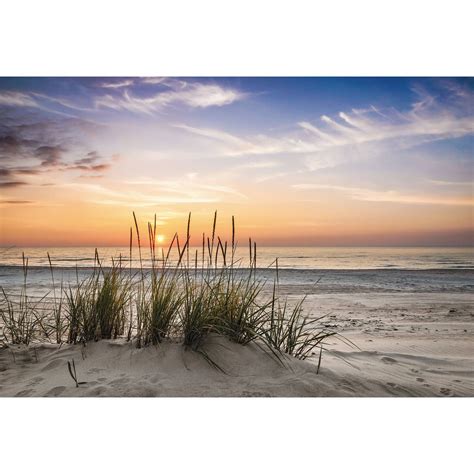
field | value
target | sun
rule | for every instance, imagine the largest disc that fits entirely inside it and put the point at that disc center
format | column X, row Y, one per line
column 160, row 238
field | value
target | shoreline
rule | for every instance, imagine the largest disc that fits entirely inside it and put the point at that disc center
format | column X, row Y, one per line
column 389, row 268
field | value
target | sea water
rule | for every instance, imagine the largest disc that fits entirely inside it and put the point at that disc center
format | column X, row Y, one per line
column 329, row 269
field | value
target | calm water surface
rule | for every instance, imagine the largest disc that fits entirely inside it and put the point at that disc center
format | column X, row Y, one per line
column 329, row 258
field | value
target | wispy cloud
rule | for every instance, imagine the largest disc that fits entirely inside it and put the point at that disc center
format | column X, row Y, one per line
column 427, row 120
column 12, row 184
column 117, row 84
column 363, row 194
column 15, row 202
column 146, row 192
column 439, row 182
column 17, row 99
column 193, row 94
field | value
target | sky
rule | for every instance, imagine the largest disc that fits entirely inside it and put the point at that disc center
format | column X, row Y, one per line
column 297, row 161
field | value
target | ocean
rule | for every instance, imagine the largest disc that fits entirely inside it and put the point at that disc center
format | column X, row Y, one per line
column 326, row 269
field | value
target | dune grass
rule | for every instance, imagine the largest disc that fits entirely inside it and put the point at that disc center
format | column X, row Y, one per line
column 292, row 332
column 181, row 300
column 21, row 316
column 96, row 307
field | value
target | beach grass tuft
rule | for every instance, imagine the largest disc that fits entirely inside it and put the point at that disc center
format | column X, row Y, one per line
column 96, row 306
column 21, row 317
column 182, row 299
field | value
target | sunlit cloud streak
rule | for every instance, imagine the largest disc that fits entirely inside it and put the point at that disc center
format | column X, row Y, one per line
column 426, row 121
column 193, row 94
column 363, row 194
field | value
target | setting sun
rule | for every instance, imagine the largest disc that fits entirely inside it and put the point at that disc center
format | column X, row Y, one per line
column 160, row 238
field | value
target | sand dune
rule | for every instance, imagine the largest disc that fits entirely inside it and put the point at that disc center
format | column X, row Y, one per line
column 410, row 345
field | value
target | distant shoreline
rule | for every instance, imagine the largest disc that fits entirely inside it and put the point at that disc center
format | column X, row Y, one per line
column 33, row 267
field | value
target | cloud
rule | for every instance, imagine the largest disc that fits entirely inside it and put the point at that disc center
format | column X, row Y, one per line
column 146, row 192
column 12, row 184
column 61, row 101
column 439, row 182
column 257, row 165
column 92, row 162
column 218, row 135
column 9, row 144
column 17, row 99
column 117, row 85
column 262, row 179
column 191, row 94
column 19, row 201
column 50, row 155
column 393, row 196
column 154, row 80
column 428, row 119
column 131, row 95
column 30, row 147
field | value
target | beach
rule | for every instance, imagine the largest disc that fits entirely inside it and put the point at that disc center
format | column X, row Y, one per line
column 412, row 334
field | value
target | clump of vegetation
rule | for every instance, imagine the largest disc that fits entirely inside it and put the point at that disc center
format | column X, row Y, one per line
column 292, row 332
column 96, row 307
column 157, row 307
column 183, row 300
column 240, row 310
column 159, row 298
column 21, row 318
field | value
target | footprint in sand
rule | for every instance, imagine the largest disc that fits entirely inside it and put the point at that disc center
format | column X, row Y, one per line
column 388, row 360
column 35, row 381
column 445, row 391
column 118, row 382
column 24, row 393
column 95, row 370
column 419, row 379
column 55, row 392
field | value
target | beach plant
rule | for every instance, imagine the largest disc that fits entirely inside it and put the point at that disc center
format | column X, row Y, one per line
column 291, row 331
column 58, row 324
column 112, row 294
column 239, row 310
column 197, row 317
column 159, row 296
column 221, row 298
column 157, row 307
column 80, row 311
column 96, row 306
column 183, row 299
column 21, row 318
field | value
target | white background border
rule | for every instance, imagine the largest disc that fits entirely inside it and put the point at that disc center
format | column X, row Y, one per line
column 245, row 37
column 209, row 38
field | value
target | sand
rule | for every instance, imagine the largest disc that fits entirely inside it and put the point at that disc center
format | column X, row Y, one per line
column 411, row 344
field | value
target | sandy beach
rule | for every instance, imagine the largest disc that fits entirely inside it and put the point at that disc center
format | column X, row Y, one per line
column 411, row 344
